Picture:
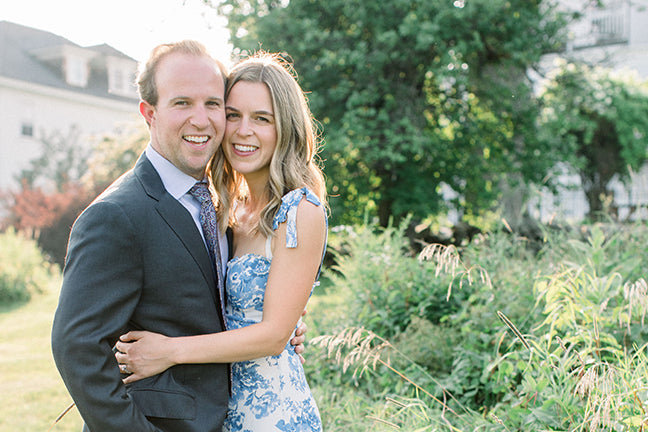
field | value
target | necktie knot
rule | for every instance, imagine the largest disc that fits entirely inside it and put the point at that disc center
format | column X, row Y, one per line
column 200, row 191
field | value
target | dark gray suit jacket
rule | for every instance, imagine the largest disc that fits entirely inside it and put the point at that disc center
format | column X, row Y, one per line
column 136, row 260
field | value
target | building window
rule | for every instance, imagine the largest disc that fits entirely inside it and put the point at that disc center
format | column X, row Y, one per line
column 27, row 129
column 120, row 77
column 76, row 71
column 603, row 25
column 117, row 81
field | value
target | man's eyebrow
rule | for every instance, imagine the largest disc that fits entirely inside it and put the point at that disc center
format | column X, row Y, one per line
column 179, row 97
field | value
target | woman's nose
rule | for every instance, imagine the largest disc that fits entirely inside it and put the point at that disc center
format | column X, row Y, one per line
column 244, row 127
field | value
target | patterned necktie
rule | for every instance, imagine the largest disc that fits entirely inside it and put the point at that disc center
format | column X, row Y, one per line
column 200, row 191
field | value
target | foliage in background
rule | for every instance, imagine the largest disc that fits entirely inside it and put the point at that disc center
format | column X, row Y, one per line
column 390, row 287
column 46, row 213
column 23, row 269
column 32, row 210
column 595, row 120
column 546, row 337
column 46, row 217
column 546, row 340
column 113, row 155
column 63, row 160
column 413, row 94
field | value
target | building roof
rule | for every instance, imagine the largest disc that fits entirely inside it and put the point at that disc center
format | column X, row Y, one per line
column 35, row 56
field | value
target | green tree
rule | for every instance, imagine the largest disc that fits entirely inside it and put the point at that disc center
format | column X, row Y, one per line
column 412, row 94
column 62, row 160
column 78, row 174
column 113, row 155
column 595, row 119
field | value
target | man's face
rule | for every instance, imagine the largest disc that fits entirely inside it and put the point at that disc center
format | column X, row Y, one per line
column 188, row 122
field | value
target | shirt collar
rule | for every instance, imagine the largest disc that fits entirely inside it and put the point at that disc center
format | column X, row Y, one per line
column 175, row 181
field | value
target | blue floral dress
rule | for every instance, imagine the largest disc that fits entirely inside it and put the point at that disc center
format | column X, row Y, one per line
column 269, row 393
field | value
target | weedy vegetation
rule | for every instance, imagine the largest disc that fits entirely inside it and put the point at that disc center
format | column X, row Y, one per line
column 504, row 333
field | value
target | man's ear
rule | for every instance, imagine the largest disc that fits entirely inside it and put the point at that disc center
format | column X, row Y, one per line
column 147, row 110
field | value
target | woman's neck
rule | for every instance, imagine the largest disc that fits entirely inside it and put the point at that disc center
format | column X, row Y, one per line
column 257, row 192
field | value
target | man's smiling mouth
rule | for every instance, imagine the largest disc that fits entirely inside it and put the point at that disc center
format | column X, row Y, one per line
column 197, row 139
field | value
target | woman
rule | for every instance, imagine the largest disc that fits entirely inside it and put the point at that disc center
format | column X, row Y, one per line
column 271, row 192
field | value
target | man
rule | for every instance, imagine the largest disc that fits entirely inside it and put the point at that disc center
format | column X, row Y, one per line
column 137, row 260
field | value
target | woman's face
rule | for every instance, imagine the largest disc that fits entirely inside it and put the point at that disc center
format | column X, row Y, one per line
column 250, row 131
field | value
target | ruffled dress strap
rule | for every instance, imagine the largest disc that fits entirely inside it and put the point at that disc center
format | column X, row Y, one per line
column 288, row 212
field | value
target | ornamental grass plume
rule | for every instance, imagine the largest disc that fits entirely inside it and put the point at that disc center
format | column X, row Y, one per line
column 367, row 350
column 636, row 294
column 448, row 261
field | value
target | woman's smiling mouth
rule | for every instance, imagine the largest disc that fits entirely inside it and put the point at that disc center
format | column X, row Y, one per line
column 243, row 148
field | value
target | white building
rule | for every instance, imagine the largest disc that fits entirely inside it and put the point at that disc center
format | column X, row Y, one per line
column 51, row 85
column 616, row 37
column 613, row 36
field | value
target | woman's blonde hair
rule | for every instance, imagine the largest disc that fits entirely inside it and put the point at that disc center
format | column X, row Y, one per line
column 295, row 162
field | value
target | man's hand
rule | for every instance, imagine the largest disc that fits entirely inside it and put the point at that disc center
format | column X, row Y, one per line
column 299, row 339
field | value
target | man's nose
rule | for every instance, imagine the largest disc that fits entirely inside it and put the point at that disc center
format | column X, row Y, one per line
column 200, row 117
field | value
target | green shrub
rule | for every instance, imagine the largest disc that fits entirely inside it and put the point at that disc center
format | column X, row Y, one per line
column 537, row 338
column 586, row 365
column 385, row 286
column 23, row 269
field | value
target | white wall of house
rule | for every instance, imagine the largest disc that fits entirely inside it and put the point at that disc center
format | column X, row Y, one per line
column 46, row 110
column 625, row 22
column 570, row 204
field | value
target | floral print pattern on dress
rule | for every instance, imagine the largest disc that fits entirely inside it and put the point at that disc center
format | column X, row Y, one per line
column 269, row 393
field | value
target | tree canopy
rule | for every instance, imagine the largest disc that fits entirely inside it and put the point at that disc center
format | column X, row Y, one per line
column 412, row 94
column 595, row 119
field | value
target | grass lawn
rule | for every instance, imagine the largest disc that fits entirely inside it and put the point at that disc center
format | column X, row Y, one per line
column 32, row 394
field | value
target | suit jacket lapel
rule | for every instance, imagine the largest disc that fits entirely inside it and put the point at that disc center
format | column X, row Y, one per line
column 230, row 243
column 178, row 219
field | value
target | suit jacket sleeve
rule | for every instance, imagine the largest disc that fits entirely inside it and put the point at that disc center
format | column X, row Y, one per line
column 101, row 288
